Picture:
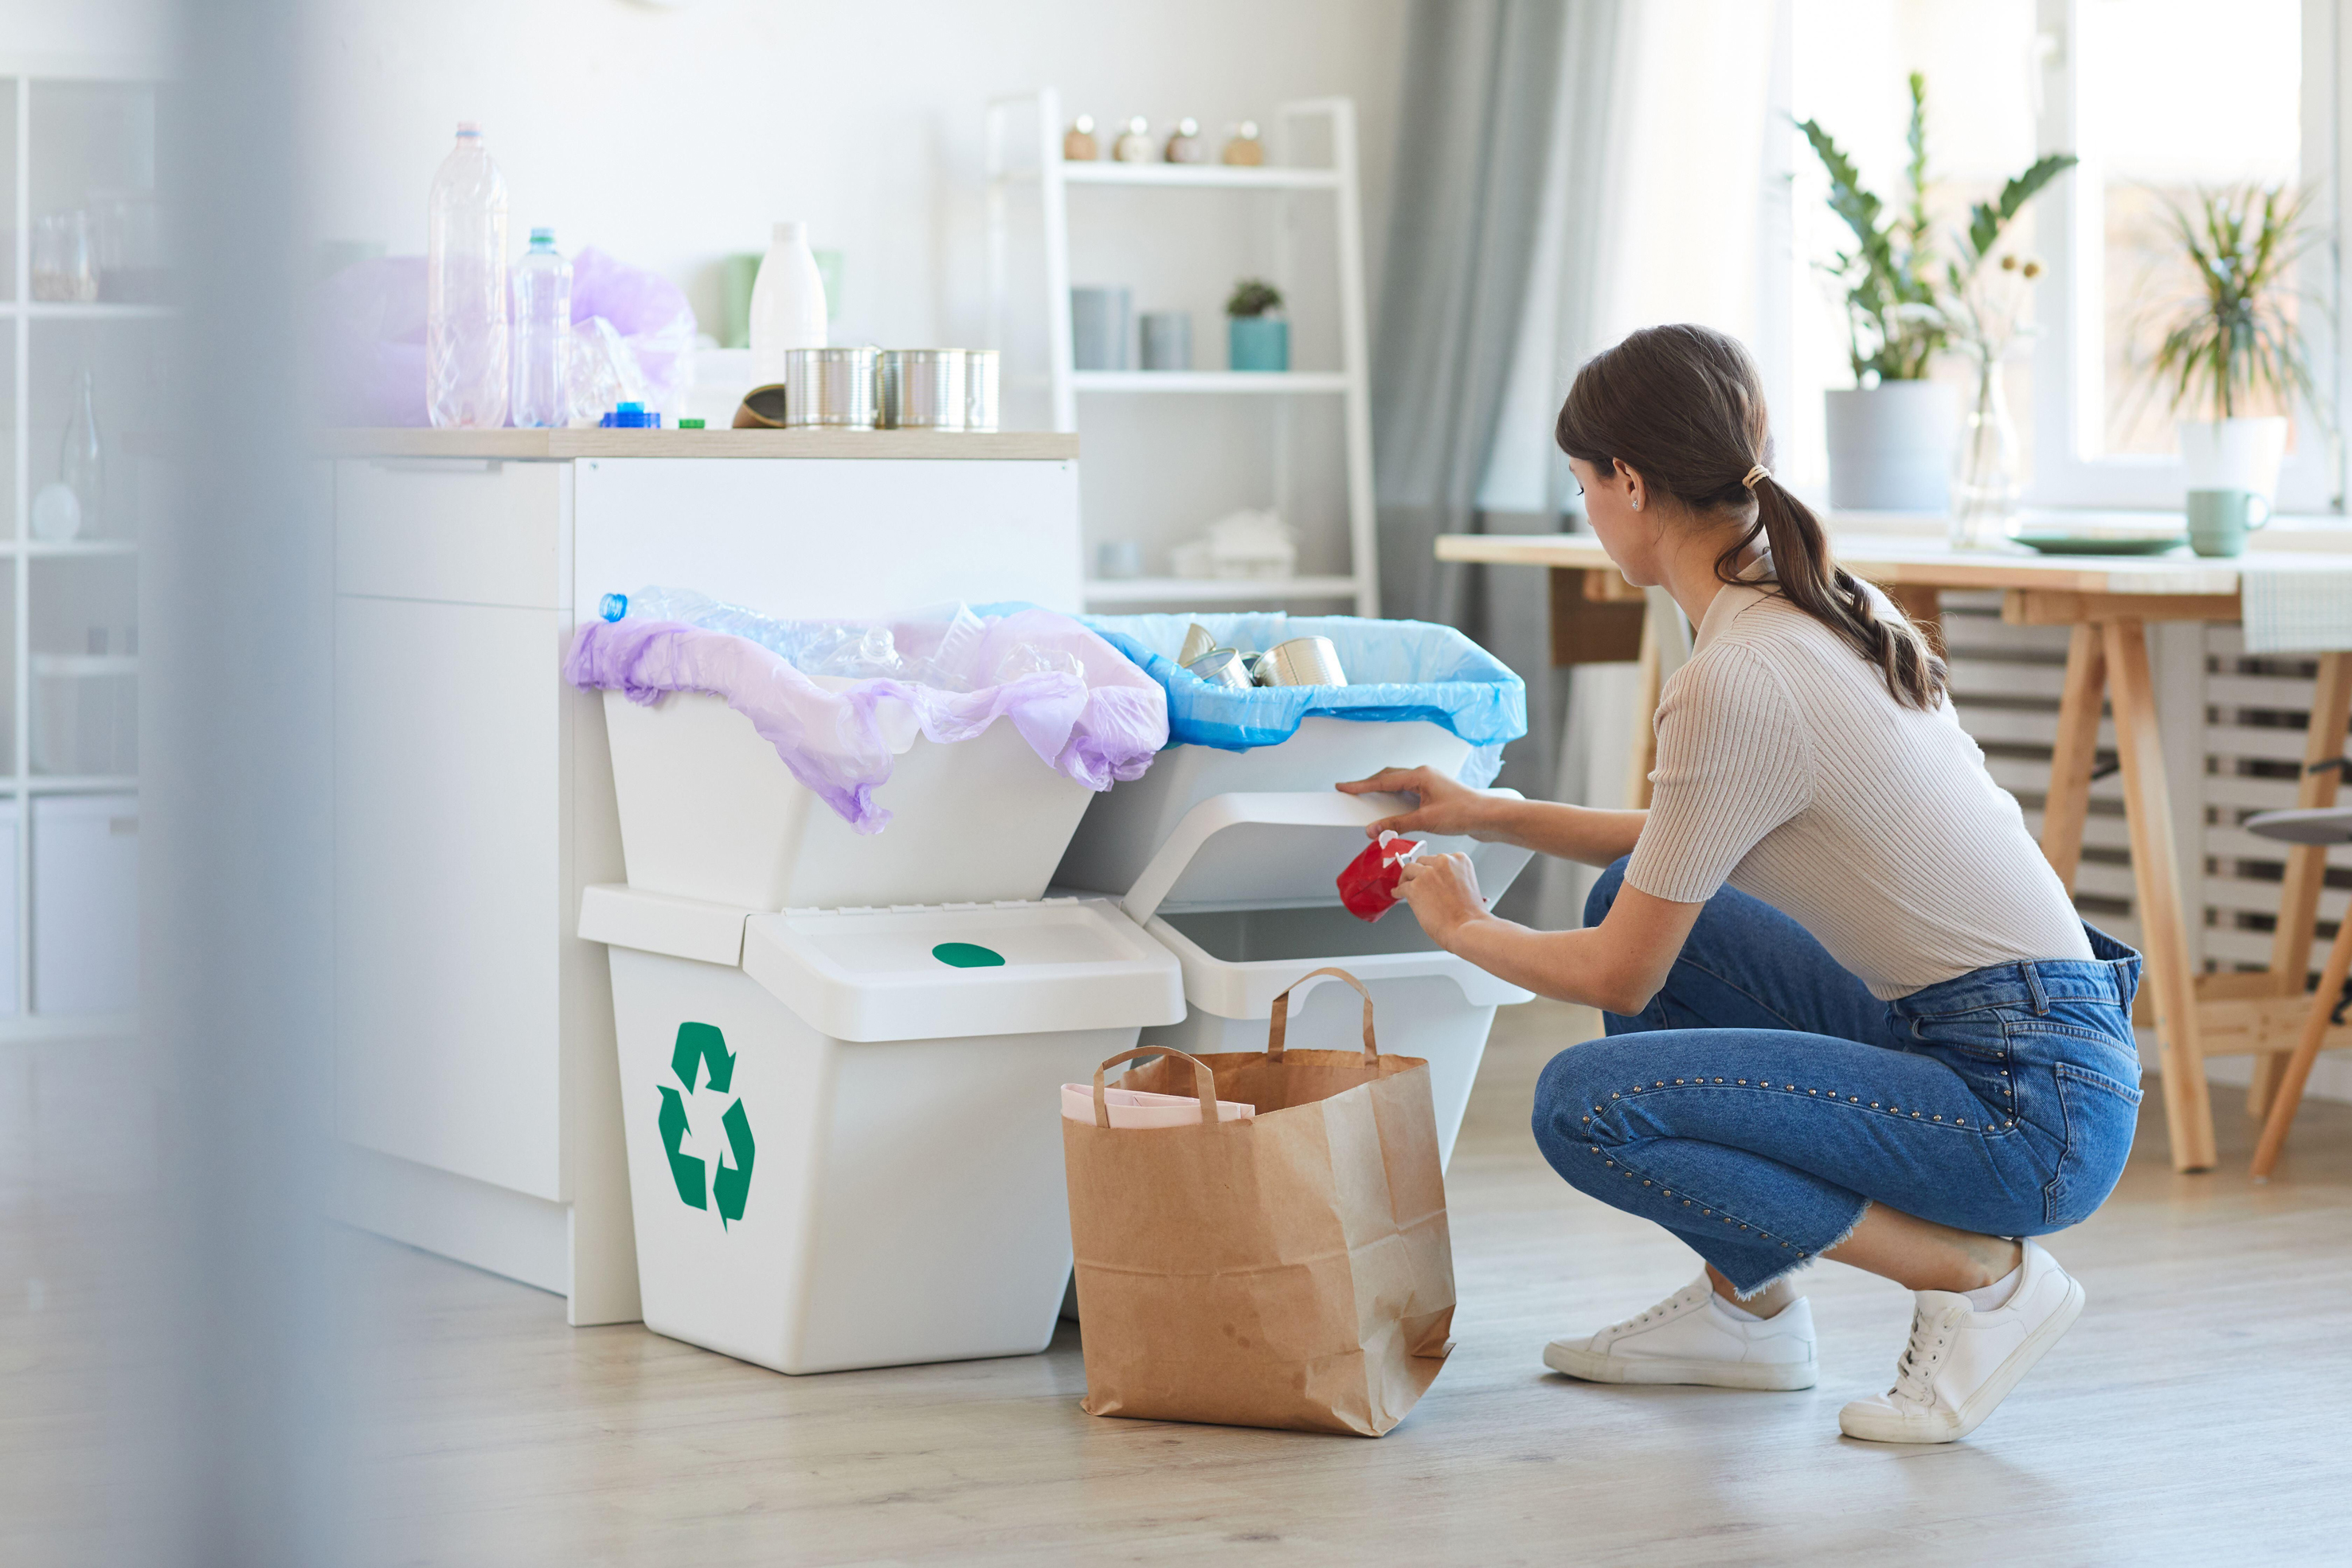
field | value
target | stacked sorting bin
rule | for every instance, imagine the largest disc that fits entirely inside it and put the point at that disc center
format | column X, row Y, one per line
column 841, row 1127
column 1229, row 853
column 839, row 1052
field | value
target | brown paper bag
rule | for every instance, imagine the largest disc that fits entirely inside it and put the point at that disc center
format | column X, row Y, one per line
column 1292, row 1269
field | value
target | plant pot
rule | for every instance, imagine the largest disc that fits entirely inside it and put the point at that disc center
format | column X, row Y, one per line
column 1257, row 343
column 1891, row 446
column 2241, row 452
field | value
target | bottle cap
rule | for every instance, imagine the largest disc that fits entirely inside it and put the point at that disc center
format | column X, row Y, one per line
column 690, row 424
column 542, row 238
column 629, row 408
column 469, row 127
column 794, row 232
column 614, row 606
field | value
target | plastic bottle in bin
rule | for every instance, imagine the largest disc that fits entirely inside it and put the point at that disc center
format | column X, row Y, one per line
column 543, row 335
column 467, row 339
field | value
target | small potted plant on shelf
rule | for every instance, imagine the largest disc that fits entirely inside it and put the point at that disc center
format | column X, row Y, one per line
column 1257, row 336
column 2229, row 351
column 1891, row 438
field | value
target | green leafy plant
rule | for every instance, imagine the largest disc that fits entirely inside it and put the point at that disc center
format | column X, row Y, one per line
column 1254, row 297
column 1899, row 308
column 2234, row 339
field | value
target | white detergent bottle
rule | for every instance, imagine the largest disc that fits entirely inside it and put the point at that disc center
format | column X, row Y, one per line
column 787, row 302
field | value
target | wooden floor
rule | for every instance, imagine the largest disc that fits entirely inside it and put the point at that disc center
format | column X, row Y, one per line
column 2202, row 1411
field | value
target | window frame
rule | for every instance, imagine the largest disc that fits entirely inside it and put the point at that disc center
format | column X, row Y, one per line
column 2069, row 350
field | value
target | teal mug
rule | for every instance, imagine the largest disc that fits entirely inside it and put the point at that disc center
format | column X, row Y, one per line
column 2220, row 520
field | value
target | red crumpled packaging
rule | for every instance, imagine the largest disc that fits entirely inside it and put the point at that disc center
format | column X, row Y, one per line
column 1368, row 883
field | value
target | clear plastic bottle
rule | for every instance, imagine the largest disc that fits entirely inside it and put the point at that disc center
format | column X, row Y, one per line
column 787, row 302
column 466, row 332
column 543, row 335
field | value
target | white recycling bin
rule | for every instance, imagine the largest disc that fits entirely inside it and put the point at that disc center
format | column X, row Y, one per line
column 1126, row 825
column 709, row 811
column 842, row 1124
column 1244, row 892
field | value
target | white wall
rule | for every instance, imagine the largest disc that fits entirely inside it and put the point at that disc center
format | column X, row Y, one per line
column 671, row 137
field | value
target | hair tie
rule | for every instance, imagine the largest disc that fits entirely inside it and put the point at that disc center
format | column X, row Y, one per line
column 1756, row 474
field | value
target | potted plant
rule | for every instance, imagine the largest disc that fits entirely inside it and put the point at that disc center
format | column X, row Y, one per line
column 1256, row 336
column 1891, row 437
column 2232, row 345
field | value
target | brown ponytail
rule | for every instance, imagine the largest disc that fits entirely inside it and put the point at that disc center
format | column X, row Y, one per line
column 1684, row 407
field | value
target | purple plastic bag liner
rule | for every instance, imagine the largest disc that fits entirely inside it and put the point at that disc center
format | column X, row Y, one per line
column 835, row 734
column 632, row 333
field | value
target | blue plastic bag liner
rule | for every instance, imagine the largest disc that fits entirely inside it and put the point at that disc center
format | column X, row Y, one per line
column 1397, row 670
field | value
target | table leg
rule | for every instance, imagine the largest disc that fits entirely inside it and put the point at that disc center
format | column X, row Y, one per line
column 2164, row 934
column 2289, row 1088
column 2306, row 864
column 1643, row 755
column 2073, row 754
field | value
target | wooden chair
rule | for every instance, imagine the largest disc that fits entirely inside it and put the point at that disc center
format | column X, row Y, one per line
column 2322, row 827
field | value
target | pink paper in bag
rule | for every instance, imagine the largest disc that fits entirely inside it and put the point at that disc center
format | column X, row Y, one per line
column 1368, row 883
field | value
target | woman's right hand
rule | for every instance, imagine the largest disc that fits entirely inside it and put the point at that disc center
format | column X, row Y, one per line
column 1445, row 805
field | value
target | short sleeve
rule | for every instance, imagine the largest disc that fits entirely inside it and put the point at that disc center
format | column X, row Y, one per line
column 1734, row 763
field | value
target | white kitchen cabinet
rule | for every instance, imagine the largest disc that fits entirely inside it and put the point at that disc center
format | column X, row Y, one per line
column 477, row 1101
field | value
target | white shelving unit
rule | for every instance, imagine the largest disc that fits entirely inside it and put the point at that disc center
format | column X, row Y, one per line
column 69, row 787
column 1053, row 177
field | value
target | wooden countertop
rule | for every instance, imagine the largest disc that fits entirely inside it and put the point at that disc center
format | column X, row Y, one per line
column 1927, row 564
column 557, row 445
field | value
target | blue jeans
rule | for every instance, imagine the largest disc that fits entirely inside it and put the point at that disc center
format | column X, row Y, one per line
column 1765, row 1099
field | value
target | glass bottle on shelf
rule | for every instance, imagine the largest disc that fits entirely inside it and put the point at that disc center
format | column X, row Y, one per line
column 82, row 457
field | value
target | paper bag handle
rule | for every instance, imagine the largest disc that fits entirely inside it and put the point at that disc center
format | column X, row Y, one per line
column 1204, row 1083
column 1279, row 1024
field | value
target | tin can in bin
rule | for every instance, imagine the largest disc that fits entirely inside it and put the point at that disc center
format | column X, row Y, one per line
column 1303, row 661
column 1220, row 667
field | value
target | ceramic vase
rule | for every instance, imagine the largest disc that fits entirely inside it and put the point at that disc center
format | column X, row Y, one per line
column 1891, row 447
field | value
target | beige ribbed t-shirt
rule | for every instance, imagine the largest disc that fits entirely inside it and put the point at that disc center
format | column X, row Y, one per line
column 1786, row 769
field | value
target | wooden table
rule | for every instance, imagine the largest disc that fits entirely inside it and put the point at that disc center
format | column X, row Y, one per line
column 2108, row 602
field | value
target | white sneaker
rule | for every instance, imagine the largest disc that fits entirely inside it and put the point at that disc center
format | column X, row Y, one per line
column 1960, row 1362
column 1687, row 1338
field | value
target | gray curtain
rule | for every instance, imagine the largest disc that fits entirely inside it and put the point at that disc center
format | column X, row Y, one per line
column 1475, row 138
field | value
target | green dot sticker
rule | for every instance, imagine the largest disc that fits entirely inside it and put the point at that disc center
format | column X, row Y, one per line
column 968, row 956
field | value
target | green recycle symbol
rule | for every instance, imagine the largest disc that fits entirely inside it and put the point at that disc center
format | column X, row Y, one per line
column 702, row 1043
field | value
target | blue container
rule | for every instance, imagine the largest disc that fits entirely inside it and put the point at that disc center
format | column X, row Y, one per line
column 1257, row 343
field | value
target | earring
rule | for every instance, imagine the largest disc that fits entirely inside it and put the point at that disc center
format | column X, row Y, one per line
column 1637, row 503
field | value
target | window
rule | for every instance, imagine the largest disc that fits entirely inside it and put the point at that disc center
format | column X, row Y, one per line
column 2160, row 98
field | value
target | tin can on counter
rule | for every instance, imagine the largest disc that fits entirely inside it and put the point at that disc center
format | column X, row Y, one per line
column 1220, row 667
column 1303, row 661
column 979, row 381
column 923, row 389
column 831, row 387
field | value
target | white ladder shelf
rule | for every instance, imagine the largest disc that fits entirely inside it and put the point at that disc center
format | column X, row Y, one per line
column 1054, row 176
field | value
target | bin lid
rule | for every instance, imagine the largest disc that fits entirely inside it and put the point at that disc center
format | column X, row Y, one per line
column 940, row 971
column 1275, row 851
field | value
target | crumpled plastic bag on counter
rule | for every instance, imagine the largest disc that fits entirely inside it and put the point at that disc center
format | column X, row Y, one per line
column 632, row 340
column 832, row 697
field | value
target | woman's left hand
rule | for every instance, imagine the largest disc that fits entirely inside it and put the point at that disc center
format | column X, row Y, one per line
column 1444, row 893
